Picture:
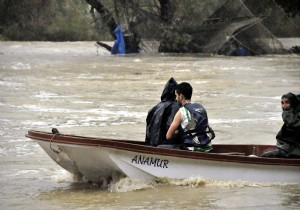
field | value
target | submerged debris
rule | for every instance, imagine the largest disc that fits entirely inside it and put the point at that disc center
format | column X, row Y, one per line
column 227, row 27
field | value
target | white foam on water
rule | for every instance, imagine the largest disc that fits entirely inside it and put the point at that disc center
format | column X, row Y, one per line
column 17, row 140
column 89, row 77
column 125, row 184
column 237, row 121
column 182, row 70
column 275, row 118
column 201, row 82
column 22, row 150
column 37, row 124
column 44, row 94
column 15, row 46
column 105, row 112
column 62, row 176
column 42, row 109
column 82, row 102
column 129, row 184
column 137, row 60
column 198, row 181
column 20, row 66
column 234, row 95
column 125, row 123
column 48, row 95
column 23, row 172
column 10, row 84
column 100, row 112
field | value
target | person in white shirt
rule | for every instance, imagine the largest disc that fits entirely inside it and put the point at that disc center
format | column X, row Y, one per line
column 191, row 121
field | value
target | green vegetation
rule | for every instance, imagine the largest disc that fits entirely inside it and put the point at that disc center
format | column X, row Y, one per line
column 48, row 20
column 291, row 7
column 72, row 20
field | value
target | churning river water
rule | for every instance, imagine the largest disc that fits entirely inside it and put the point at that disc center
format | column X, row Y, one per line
column 82, row 90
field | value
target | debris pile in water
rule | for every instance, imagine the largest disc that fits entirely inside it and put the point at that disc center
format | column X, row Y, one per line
column 227, row 27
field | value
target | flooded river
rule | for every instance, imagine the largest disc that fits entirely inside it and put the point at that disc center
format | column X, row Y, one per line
column 82, row 90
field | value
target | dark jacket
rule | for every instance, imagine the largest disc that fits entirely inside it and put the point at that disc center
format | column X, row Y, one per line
column 160, row 117
column 288, row 137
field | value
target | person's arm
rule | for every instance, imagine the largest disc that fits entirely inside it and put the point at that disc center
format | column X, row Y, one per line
column 174, row 126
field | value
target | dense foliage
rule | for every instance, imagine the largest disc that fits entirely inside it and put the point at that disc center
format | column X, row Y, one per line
column 51, row 20
column 291, row 7
column 69, row 20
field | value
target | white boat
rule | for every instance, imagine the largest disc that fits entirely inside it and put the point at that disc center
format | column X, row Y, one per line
column 96, row 158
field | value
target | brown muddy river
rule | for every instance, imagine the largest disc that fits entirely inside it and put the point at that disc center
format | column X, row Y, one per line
column 80, row 91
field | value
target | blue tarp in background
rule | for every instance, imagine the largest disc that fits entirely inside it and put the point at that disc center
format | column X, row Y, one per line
column 119, row 45
column 240, row 52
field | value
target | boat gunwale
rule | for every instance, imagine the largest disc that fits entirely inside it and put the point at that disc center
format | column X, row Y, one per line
column 140, row 147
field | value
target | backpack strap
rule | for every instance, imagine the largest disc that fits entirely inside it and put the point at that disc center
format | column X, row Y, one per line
column 195, row 132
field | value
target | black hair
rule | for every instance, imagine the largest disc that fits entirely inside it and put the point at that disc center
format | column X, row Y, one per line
column 294, row 102
column 185, row 89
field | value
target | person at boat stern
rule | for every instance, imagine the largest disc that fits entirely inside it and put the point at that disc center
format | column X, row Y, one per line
column 190, row 122
column 288, row 138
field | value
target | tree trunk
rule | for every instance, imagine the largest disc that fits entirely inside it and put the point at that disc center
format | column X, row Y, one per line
column 131, row 40
column 165, row 10
column 105, row 15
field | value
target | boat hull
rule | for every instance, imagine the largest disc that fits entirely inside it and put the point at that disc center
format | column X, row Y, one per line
column 98, row 159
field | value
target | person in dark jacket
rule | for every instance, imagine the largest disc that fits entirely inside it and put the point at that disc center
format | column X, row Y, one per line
column 160, row 117
column 288, row 138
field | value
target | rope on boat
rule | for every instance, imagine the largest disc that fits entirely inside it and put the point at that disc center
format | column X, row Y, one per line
column 55, row 132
